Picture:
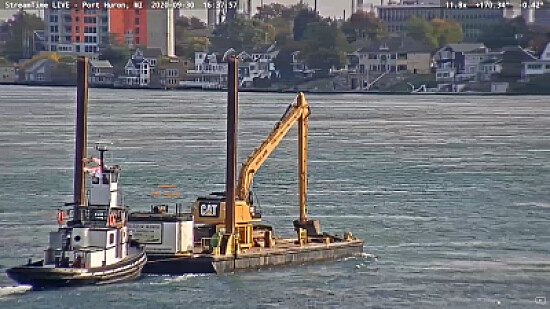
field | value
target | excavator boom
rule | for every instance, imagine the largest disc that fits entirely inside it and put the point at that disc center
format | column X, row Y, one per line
column 299, row 110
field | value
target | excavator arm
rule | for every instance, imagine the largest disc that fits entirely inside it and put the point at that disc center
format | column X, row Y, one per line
column 298, row 111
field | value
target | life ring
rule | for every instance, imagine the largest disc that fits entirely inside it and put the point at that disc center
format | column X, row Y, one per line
column 60, row 216
column 112, row 219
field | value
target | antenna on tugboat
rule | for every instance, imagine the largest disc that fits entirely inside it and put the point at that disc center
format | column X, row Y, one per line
column 101, row 148
column 81, row 136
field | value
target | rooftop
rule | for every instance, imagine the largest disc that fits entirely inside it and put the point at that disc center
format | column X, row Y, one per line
column 392, row 44
column 465, row 47
column 152, row 52
column 101, row 64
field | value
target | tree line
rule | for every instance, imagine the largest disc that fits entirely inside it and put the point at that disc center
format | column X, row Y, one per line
column 322, row 42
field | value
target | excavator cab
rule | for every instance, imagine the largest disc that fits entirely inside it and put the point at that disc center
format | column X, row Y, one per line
column 211, row 210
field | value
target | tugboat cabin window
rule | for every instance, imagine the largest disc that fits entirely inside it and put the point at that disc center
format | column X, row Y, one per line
column 95, row 214
column 111, row 239
column 95, row 180
column 100, row 215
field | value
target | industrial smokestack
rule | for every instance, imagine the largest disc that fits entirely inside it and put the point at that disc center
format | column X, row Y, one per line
column 211, row 13
column 170, row 40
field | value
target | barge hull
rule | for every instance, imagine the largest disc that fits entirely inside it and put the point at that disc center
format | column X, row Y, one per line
column 169, row 264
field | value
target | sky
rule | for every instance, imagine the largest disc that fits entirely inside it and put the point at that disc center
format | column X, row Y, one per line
column 326, row 7
column 332, row 8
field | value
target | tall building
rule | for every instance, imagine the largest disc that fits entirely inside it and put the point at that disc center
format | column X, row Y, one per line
column 160, row 33
column 358, row 5
column 217, row 14
column 145, row 27
column 128, row 27
column 472, row 20
column 75, row 31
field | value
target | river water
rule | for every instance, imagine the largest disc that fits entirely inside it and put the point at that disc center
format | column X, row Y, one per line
column 450, row 193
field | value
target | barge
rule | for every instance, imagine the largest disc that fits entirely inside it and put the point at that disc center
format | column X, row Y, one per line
column 223, row 232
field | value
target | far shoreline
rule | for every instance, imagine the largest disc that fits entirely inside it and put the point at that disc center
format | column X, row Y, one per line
column 308, row 91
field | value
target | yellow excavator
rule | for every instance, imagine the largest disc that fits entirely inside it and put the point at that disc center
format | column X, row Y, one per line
column 210, row 211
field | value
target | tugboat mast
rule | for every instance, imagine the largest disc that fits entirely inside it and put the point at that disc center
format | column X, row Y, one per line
column 101, row 149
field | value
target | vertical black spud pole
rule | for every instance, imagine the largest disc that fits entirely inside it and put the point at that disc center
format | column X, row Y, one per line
column 81, row 137
column 232, row 121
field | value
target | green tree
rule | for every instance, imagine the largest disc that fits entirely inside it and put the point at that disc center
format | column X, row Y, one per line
column 363, row 25
column 515, row 32
column 117, row 54
column 326, row 46
column 187, row 40
column 277, row 10
column 20, row 30
column 242, row 33
column 436, row 33
column 420, row 29
column 284, row 58
column 446, row 31
column 189, row 45
column 190, row 23
column 64, row 72
column 4, row 61
column 301, row 21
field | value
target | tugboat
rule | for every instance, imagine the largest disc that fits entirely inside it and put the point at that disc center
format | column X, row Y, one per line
column 92, row 248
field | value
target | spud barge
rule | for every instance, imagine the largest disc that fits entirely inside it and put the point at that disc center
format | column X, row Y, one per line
column 223, row 232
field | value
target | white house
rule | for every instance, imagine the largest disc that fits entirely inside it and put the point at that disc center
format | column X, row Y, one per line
column 257, row 64
column 537, row 66
column 101, row 73
column 299, row 68
column 489, row 67
column 140, row 68
column 459, row 62
column 211, row 69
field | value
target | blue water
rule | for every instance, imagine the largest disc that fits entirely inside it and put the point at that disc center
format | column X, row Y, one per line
column 450, row 193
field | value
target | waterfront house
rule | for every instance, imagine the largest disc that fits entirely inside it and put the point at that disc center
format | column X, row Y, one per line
column 489, row 68
column 536, row 66
column 101, row 73
column 394, row 57
column 460, row 62
column 257, row 64
column 39, row 71
column 140, row 69
column 172, row 71
column 210, row 69
column 7, row 73
column 299, row 68
column 513, row 58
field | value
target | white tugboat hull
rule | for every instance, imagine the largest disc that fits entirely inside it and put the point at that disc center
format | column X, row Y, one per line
column 42, row 277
